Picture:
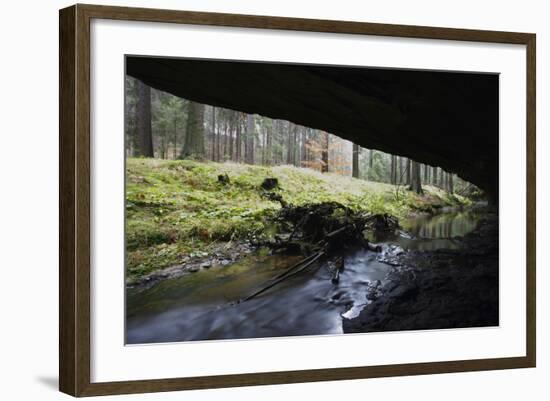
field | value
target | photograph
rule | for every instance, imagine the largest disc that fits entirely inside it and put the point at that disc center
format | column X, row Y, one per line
column 269, row 199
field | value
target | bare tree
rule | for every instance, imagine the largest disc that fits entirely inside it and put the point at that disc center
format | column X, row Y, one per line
column 194, row 132
column 416, row 183
column 249, row 140
column 324, row 152
column 355, row 161
column 145, row 137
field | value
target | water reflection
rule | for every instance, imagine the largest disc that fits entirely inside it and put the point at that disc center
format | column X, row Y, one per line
column 436, row 232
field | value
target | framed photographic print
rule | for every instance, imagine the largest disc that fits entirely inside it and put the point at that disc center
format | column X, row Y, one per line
column 297, row 200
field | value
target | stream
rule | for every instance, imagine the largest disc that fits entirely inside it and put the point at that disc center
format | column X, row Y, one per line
column 201, row 306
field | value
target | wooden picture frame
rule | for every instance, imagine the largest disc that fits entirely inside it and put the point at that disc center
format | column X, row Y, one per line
column 74, row 203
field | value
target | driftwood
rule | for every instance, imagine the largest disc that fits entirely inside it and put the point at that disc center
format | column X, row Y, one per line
column 321, row 230
column 306, row 262
column 286, row 275
column 328, row 225
column 339, row 231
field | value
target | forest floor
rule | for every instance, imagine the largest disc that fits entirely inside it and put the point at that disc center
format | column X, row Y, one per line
column 179, row 213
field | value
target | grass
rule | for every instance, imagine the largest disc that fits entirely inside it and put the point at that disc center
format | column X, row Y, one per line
column 177, row 209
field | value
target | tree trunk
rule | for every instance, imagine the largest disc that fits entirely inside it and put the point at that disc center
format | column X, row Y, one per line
column 221, row 127
column 163, row 146
column 393, row 170
column 231, row 136
column 426, row 173
column 355, row 161
column 290, row 145
column 130, row 117
column 451, row 184
column 249, row 141
column 371, row 158
column 194, row 133
column 145, row 137
column 213, row 133
column 175, row 135
column 218, row 139
column 296, row 144
column 226, row 131
column 303, row 152
column 416, row 183
column 408, row 172
column 269, row 144
column 238, row 139
column 324, row 152
column 434, row 176
column 231, row 129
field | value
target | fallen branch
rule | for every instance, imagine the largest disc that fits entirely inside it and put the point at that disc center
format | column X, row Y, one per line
column 301, row 262
column 334, row 233
column 284, row 276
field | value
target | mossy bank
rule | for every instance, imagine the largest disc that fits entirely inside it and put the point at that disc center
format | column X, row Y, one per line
column 178, row 210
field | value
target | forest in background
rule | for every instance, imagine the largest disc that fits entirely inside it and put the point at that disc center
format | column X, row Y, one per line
column 160, row 125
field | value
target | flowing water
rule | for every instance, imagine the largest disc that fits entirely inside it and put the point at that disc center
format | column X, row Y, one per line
column 201, row 306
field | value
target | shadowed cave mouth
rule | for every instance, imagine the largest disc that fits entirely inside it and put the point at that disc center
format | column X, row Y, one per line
column 445, row 119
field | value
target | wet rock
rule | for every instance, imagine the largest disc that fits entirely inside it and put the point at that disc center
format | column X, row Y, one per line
column 374, row 290
column 371, row 295
column 438, row 289
column 390, row 286
column 404, row 291
column 193, row 269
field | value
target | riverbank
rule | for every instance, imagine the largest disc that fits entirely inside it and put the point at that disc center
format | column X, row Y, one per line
column 438, row 289
column 181, row 218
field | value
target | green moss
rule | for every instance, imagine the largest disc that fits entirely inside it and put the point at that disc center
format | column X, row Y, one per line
column 177, row 208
